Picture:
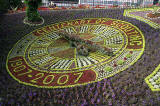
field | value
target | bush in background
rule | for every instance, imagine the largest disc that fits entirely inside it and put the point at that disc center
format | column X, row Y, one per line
column 32, row 10
column 4, row 5
column 15, row 4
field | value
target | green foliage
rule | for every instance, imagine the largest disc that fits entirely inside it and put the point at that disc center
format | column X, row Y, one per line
column 121, row 62
column 32, row 12
column 128, row 55
column 4, row 5
column 155, row 2
column 108, row 69
column 15, row 3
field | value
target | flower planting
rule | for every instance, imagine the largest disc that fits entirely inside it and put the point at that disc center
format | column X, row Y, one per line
column 44, row 68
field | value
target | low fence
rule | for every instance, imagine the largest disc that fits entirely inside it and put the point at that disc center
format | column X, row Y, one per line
column 98, row 3
column 89, row 4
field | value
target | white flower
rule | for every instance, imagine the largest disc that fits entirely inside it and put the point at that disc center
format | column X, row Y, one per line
column 153, row 83
column 151, row 80
column 155, row 77
column 156, row 86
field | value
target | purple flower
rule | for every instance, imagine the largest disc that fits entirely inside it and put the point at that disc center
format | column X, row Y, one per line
column 34, row 94
column 158, row 98
column 98, row 100
column 30, row 94
column 92, row 100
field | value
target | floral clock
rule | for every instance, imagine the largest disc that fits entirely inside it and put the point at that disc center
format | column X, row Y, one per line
column 45, row 59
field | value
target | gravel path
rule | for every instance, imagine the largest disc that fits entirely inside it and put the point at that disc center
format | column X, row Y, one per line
column 125, row 88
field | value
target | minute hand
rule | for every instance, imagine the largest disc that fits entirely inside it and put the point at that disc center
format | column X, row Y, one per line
column 91, row 46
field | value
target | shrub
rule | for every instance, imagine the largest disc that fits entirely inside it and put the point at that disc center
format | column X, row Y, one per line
column 4, row 5
column 32, row 10
column 15, row 4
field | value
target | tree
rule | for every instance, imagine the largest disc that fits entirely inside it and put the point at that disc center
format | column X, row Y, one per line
column 4, row 5
column 155, row 2
column 32, row 11
column 15, row 4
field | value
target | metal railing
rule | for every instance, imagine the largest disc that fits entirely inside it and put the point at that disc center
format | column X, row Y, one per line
column 100, row 3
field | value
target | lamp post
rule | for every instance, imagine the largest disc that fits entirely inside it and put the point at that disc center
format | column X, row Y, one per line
column 140, row 2
column 79, row 2
column 93, row 3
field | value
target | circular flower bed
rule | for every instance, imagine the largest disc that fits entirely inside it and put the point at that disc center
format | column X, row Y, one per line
column 25, row 21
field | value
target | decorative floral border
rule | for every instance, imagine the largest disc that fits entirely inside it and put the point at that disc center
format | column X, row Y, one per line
column 151, row 23
column 153, row 80
column 25, row 22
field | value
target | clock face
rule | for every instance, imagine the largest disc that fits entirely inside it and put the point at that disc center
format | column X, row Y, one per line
column 44, row 58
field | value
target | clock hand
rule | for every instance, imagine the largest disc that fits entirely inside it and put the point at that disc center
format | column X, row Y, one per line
column 85, row 46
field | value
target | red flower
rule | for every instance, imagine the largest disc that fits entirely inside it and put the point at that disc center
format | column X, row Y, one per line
column 131, row 52
column 125, row 58
column 115, row 65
